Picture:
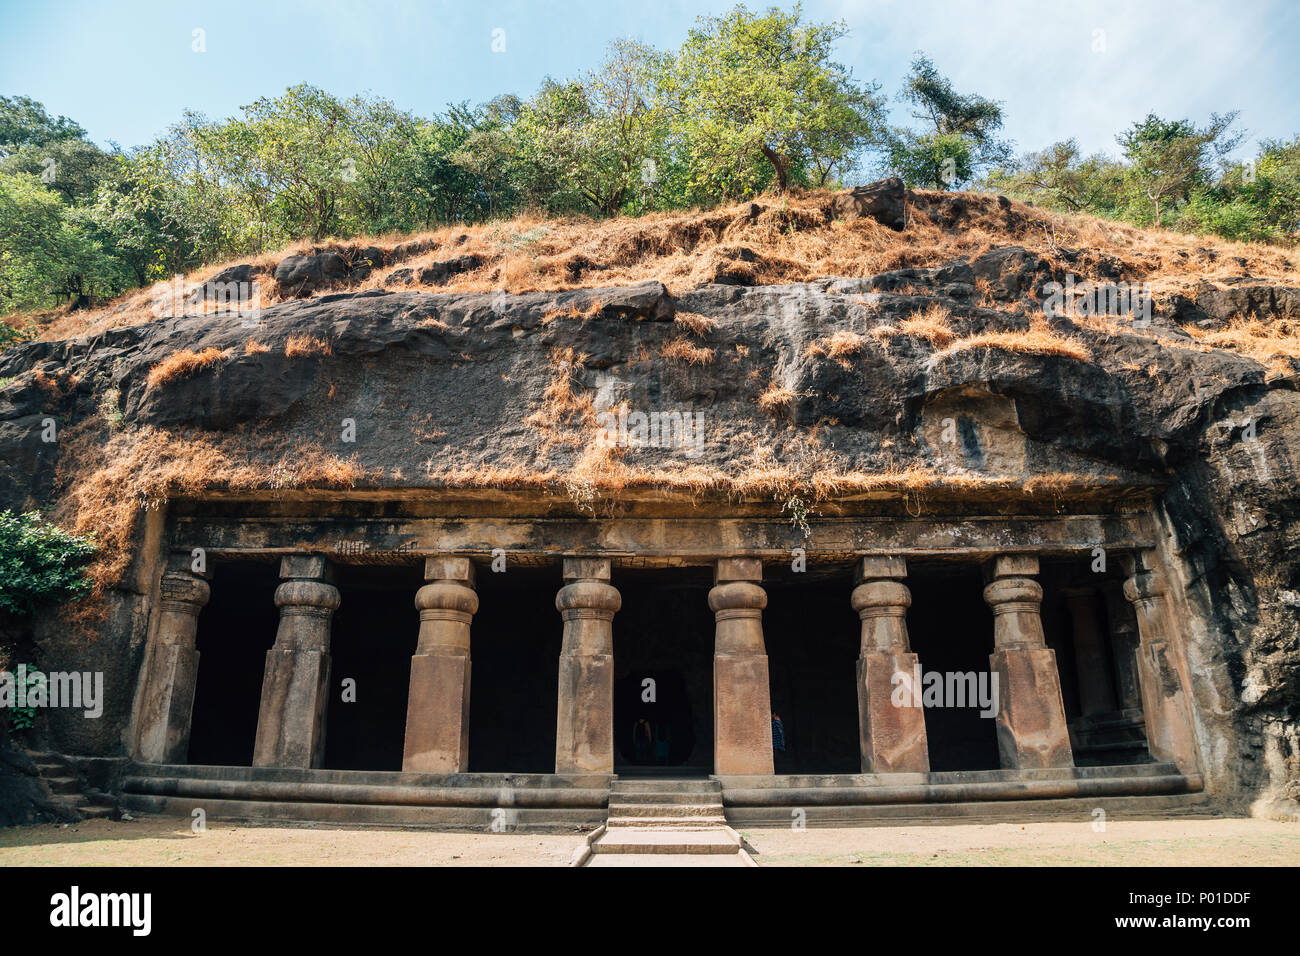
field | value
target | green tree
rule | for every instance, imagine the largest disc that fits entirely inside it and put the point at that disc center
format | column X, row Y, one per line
column 957, row 140
column 597, row 139
column 24, row 122
column 748, row 90
column 1171, row 159
column 48, row 252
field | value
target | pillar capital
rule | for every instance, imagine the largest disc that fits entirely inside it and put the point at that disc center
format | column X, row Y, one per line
column 1011, row 566
column 738, row 569
column 449, row 567
column 182, row 592
column 881, row 599
column 586, row 569
column 876, row 567
column 1144, row 586
column 314, row 567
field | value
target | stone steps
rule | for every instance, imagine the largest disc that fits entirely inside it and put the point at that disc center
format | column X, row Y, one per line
column 653, row 821
column 635, row 840
column 677, row 811
column 471, row 818
column 67, row 789
column 664, row 799
column 1157, row 807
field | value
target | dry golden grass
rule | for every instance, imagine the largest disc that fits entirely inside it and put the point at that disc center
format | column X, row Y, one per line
column 573, row 312
column 776, row 397
column 697, row 324
column 839, row 346
column 932, row 325
column 563, row 409
column 1038, row 339
column 298, row 346
column 791, row 238
column 109, row 481
column 680, row 350
column 183, row 364
column 253, row 347
column 1263, row 341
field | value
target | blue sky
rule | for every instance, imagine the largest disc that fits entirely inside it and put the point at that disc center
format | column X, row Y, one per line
column 127, row 70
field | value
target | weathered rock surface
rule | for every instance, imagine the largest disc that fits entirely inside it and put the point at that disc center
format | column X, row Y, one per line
column 435, row 381
column 884, row 201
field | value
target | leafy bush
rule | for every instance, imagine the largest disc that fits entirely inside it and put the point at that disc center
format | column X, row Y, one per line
column 39, row 562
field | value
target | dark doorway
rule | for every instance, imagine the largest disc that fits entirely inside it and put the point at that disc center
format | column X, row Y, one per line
column 236, row 629
column 951, row 630
column 373, row 637
column 514, row 670
column 812, row 640
column 663, row 662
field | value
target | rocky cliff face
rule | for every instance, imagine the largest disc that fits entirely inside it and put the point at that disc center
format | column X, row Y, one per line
column 946, row 376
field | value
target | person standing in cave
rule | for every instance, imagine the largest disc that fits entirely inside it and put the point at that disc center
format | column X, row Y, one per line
column 641, row 739
column 661, row 743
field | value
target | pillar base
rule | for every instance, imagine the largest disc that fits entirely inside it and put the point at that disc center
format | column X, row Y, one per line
column 1032, row 732
column 892, row 738
column 584, row 741
column 437, row 715
column 167, row 704
column 742, row 715
column 1164, row 708
column 291, row 723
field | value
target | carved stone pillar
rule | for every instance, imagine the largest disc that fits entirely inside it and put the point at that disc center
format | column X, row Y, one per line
column 584, row 724
column 1170, row 735
column 295, row 685
column 1031, row 724
column 891, row 738
column 437, row 710
column 167, row 697
column 742, row 698
column 1091, row 657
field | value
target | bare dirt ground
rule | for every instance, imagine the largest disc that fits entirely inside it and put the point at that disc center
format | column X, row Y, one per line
column 168, row 841
column 1214, row 841
column 162, row 841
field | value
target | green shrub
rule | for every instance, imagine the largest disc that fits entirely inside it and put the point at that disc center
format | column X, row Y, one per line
column 39, row 562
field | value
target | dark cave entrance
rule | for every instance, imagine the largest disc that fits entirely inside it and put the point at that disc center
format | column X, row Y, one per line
column 514, row 670
column 372, row 639
column 235, row 630
column 811, row 632
column 663, row 666
column 950, row 627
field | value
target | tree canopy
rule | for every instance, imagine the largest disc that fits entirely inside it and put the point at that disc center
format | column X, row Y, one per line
column 751, row 101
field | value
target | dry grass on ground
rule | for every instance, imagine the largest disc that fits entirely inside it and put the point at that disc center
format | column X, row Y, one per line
column 790, row 238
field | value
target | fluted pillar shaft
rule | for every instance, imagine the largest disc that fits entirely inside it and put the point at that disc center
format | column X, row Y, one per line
column 1031, row 724
column 1165, row 708
column 891, row 737
column 742, row 698
column 437, row 710
column 584, row 723
column 295, row 685
column 167, row 697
